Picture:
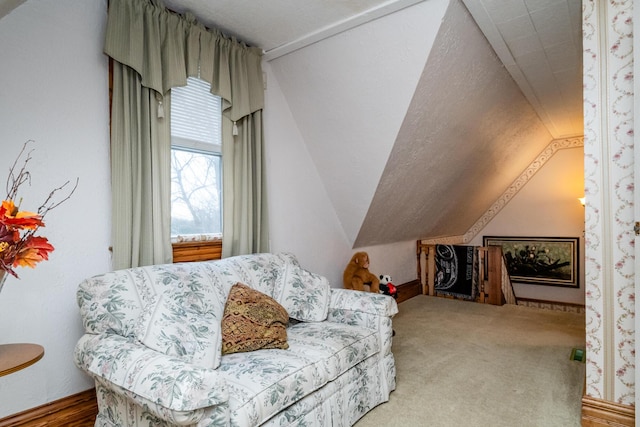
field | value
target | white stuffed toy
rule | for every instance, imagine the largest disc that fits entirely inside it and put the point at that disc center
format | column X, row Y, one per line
column 386, row 287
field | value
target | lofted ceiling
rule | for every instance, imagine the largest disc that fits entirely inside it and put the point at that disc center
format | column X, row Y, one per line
column 540, row 44
column 516, row 67
column 498, row 81
column 538, row 41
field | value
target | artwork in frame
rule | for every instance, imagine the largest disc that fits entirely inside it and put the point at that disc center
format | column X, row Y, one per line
column 550, row 261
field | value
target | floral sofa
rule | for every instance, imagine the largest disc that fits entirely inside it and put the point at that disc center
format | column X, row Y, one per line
column 153, row 346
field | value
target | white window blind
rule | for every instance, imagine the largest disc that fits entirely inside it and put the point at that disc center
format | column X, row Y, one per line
column 195, row 115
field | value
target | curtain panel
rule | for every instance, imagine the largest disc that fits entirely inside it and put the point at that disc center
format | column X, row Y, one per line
column 154, row 50
column 166, row 48
column 140, row 165
column 245, row 189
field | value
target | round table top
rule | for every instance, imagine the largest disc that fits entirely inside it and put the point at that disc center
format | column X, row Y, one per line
column 14, row 357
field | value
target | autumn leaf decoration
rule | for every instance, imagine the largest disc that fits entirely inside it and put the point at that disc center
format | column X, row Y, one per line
column 19, row 245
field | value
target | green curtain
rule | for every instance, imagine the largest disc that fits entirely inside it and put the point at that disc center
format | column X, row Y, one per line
column 245, row 188
column 140, row 164
column 154, row 50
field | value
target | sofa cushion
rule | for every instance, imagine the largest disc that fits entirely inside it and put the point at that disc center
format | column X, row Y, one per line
column 303, row 294
column 252, row 320
column 262, row 272
column 336, row 347
column 264, row 382
column 113, row 301
column 340, row 402
column 183, row 331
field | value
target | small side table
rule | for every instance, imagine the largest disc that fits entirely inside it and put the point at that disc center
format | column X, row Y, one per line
column 14, row 357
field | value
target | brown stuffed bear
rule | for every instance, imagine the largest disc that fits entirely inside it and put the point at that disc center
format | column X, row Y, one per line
column 357, row 274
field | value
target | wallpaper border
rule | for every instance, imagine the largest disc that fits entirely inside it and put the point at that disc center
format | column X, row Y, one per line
column 521, row 181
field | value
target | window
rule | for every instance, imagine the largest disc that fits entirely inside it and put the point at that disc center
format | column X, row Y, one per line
column 196, row 163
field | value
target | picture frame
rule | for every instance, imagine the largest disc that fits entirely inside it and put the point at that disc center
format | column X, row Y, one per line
column 548, row 261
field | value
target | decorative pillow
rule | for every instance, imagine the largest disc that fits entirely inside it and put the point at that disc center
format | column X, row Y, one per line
column 189, row 333
column 304, row 295
column 252, row 321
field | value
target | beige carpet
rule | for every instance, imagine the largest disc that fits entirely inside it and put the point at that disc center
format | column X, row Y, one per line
column 467, row 364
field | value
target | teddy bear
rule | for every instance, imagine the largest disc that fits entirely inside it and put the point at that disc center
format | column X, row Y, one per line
column 357, row 274
column 386, row 287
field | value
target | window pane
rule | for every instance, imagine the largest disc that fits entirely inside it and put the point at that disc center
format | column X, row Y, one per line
column 196, row 180
column 195, row 193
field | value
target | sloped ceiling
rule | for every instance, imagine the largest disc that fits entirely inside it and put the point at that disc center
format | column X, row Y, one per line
column 468, row 132
column 349, row 96
column 540, row 44
column 417, row 120
column 7, row 6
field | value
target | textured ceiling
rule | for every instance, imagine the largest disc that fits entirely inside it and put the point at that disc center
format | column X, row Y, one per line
column 281, row 26
column 540, row 43
column 472, row 130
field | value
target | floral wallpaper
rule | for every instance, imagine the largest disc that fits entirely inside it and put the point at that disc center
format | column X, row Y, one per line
column 609, row 190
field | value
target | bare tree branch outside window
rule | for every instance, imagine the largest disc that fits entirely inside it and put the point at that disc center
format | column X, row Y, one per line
column 195, row 193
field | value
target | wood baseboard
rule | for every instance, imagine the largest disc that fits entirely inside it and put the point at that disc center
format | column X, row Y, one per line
column 409, row 290
column 601, row 413
column 552, row 305
column 77, row 410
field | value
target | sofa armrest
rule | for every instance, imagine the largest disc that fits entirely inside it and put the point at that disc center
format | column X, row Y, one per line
column 374, row 311
column 172, row 389
column 364, row 302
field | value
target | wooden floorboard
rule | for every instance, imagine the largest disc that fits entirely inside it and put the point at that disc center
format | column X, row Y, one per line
column 77, row 410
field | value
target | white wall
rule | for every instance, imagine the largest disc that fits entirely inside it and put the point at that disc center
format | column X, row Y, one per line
column 327, row 139
column 349, row 95
column 302, row 219
column 547, row 206
column 398, row 260
column 55, row 91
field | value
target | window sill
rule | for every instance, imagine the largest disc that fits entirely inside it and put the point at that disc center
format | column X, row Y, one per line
column 197, row 251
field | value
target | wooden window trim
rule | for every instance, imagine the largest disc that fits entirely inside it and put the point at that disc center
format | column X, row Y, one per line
column 197, row 251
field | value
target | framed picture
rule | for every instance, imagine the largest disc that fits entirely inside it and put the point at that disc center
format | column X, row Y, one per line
column 551, row 261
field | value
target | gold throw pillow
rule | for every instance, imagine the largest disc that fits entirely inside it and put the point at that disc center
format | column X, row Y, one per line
column 252, row 321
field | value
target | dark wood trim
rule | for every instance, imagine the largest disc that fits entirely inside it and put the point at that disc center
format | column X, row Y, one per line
column 77, row 410
column 408, row 290
column 493, row 284
column 598, row 412
column 197, row 251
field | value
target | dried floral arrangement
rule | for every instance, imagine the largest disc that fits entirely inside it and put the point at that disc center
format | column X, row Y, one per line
column 19, row 244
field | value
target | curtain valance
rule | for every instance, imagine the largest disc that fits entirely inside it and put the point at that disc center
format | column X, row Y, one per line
column 166, row 48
